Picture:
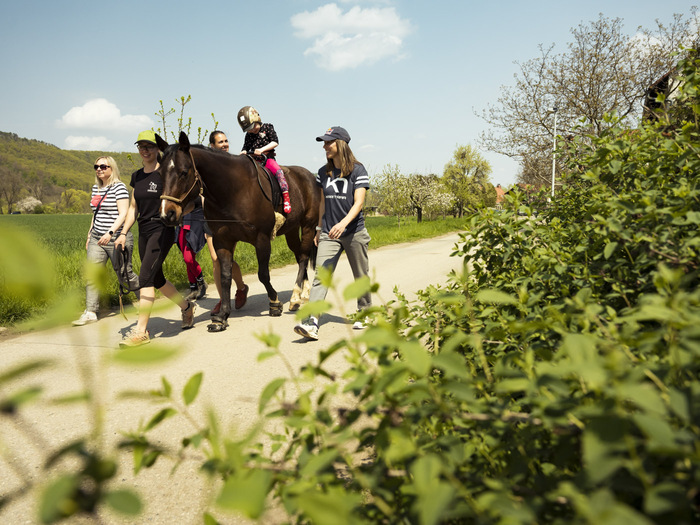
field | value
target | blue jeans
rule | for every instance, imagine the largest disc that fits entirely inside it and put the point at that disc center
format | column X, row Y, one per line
column 355, row 245
column 99, row 255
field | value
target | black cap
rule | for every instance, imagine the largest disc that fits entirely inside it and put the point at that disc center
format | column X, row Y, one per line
column 336, row 132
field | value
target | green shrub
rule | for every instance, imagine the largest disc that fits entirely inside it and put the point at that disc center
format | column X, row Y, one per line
column 556, row 381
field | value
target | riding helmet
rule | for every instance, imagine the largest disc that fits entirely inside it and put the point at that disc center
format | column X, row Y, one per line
column 248, row 116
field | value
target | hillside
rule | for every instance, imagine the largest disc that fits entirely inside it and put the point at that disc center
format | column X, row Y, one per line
column 39, row 164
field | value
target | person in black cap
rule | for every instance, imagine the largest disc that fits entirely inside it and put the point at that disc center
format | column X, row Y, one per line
column 342, row 225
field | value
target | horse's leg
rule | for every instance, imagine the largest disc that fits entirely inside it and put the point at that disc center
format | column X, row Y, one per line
column 302, row 258
column 219, row 322
column 263, row 249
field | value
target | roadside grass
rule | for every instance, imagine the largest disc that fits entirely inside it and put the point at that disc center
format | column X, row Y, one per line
column 62, row 239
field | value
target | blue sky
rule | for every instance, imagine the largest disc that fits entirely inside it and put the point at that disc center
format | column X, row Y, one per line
column 406, row 78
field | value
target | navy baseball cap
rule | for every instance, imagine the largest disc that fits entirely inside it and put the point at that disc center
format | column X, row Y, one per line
column 336, row 132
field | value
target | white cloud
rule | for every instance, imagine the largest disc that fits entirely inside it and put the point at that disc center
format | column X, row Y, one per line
column 90, row 143
column 102, row 114
column 343, row 40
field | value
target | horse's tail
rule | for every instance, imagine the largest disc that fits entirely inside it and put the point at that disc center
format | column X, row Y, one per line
column 314, row 251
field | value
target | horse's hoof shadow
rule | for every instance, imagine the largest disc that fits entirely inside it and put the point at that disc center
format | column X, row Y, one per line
column 217, row 326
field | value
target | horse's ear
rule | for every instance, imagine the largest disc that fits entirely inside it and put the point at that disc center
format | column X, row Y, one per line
column 184, row 142
column 161, row 143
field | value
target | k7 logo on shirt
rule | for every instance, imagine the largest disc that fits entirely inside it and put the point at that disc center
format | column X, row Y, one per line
column 334, row 182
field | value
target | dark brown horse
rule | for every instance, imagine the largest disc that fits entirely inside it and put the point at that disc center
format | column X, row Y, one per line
column 238, row 207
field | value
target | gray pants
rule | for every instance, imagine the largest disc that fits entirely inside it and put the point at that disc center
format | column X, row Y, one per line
column 355, row 246
column 97, row 254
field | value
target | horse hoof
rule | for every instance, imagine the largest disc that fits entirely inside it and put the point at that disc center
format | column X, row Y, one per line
column 276, row 309
column 293, row 307
column 217, row 326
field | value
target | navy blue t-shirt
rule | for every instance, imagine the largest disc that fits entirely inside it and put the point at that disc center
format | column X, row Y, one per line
column 339, row 193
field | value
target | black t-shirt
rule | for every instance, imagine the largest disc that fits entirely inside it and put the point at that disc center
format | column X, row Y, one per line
column 148, row 187
column 261, row 139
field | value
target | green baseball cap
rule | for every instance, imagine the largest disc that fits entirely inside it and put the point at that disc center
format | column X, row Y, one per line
column 147, row 136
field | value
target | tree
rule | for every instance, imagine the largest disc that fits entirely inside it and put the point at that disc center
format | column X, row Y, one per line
column 392, row 189
column 10, row 187
column 465, row 177
column 74, row 201
column 602, row 72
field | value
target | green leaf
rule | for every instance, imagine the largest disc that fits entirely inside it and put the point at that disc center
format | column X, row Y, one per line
column 159, row 417
column 167, row 388
column 189, row 393
column 495, row 297
column 416, row 357
column 318, row 463
column 603, row 445
column 12, row 403
column 124, row 501
column 334, row 506
column 452, row 364
column 210, row 520
column 315, row 308
column 149, row 354
column 657, row 430
column 434, row 502
column 645, row 396
column 24, row 369
column 57, row 499
column 426, row 471
column 518, row 384
column 609, row 249
column 358, row 288
column 246, row 492
column 263, row 356
column 269, row 391
column 665, row 497
column 679, row 404
column 400, row 446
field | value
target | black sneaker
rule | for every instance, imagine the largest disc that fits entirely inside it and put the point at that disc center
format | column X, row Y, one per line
column 202, row 286
column 193, row 292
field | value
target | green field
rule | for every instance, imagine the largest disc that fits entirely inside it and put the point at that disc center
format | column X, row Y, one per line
column 42, row 260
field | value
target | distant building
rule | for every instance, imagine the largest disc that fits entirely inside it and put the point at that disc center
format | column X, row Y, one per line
column 667, row 85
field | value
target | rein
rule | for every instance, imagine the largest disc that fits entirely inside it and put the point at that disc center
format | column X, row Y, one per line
column 197, row 179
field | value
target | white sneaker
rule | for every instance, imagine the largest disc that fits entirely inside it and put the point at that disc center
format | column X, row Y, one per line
column 86, row 318
column 308, row 328
column 359, row 325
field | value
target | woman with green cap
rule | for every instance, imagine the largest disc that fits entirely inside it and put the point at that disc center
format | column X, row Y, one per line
column 155, row 241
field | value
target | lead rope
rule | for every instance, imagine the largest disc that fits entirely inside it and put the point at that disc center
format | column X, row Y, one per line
column 124, row 278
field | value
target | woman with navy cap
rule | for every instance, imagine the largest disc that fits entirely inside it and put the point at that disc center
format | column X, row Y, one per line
column 342, row 225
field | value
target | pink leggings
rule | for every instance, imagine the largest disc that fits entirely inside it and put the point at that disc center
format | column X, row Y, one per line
column 272, row 165
column 194, row 270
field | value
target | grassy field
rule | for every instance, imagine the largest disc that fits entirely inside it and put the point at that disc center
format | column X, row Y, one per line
column 42, row 260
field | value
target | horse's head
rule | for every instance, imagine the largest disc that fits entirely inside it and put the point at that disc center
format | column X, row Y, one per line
column 181, row 182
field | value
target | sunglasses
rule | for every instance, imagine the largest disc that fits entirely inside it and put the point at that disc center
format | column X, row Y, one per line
column 101, row 167
column 146, row 147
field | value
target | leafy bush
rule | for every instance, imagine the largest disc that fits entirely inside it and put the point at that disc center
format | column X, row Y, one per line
column 555, row 381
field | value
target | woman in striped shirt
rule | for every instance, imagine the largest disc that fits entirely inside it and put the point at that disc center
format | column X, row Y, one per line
column 109, row 203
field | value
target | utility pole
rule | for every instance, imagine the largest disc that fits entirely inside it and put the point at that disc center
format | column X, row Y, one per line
column 554, row 148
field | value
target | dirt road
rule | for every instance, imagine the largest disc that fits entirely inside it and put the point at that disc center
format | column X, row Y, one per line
column 233, row 380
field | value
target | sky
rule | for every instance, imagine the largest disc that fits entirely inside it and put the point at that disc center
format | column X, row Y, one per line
column 407, row 79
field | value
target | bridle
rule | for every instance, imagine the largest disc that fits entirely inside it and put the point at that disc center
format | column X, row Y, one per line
column 197, row 180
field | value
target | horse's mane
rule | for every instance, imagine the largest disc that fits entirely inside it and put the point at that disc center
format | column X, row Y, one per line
column 211, row 150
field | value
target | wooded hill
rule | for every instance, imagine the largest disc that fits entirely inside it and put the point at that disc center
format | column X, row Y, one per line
column 44, row 171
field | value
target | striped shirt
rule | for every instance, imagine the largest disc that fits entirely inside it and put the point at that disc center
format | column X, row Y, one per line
column 108, row 213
